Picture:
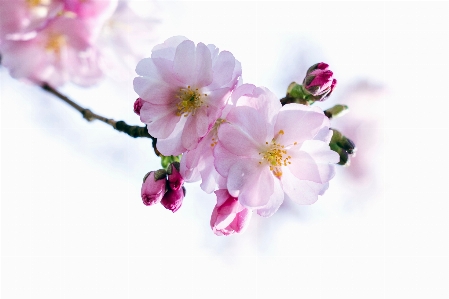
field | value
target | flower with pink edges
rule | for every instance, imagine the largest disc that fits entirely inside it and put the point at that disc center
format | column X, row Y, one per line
column 19, row 18
column 228, row 216
column 319, row 81
column 266, row 151
column 62, row 51
column 184, row 88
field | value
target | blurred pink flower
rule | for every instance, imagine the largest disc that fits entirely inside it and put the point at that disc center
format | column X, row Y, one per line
column 60, row 52
column 99, row 9
column 228, row 216
column 127, row 36
column 185, row 87
column 265, row 151
column 19, row 18
column 153, row 188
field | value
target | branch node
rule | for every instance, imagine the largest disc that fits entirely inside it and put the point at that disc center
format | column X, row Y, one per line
column 88, row 115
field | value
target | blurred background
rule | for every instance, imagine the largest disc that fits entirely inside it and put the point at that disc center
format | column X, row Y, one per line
column 73, row 224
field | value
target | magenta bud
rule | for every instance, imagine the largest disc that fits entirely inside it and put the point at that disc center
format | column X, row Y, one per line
column 172, row 199
column 175, row 180
column 138, row 105
column 153, row 188
column 319, row 81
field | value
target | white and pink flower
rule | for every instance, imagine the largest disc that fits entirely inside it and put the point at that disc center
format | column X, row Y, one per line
column 266, row 151
column 184, row 88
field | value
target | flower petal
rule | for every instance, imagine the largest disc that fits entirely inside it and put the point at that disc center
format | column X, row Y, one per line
column 276, row 199
column 184, row 62
column 301, row 192
column 244, row 132
column 203, row 68
column 160, row 119
column 314, row 162
column 223, row 70
column 299, row 123
column 167, row 49
column 172, row 145
column 223, row 160
column 251, row 182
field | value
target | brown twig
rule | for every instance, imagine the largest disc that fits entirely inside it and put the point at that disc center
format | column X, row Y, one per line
column 121, row 126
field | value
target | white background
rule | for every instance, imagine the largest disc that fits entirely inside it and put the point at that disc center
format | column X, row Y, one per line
column 73, row 224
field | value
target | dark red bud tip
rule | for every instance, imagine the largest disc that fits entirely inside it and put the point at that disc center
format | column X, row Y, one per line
column 172, row 199
column 138, row 105
column 322, row 66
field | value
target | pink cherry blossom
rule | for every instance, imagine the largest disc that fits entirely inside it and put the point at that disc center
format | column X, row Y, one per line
column 19, row 18
column 60, row 52
column 127, row 37
column 198, row 163
column 153, row 189
column 185, row 87
column 267, row 151
column 99, row 9
column 228, row 216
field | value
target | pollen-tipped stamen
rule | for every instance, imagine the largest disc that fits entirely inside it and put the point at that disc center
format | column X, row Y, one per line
column 190, row 100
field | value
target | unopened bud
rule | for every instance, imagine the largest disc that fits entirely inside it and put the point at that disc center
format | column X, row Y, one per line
column 138, row 105
column 319, row 81
column 343, row 146
column 336, row 111
column 172, row 199
column 153, row 187
column 175, row 180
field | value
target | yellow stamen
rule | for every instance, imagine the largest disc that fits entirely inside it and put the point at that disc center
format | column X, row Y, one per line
column 55, row 43
column 275, row 155
column 190, row 100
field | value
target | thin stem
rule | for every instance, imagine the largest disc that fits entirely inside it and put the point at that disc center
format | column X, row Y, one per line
column 121, row 126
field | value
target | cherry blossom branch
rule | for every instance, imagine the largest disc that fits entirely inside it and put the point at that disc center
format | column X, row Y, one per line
column 121, row 126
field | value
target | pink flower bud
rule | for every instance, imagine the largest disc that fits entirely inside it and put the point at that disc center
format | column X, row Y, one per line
column 319, row 81
column 138, row 105
column 172, row 199
column 175, row 180
column 228, row 216
column 153, row 187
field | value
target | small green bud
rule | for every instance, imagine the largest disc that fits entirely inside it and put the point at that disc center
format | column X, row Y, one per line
column 336, row 111
column 343, row 146
column 166, row 160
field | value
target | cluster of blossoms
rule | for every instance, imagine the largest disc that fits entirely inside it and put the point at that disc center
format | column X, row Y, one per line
column 241, row 141
column 59, row 41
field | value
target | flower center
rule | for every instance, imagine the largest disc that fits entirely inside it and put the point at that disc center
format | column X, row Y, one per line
column 214, row 131
column 34, row 3
column 190, row 100
column 275, row 155
column 55, row 42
